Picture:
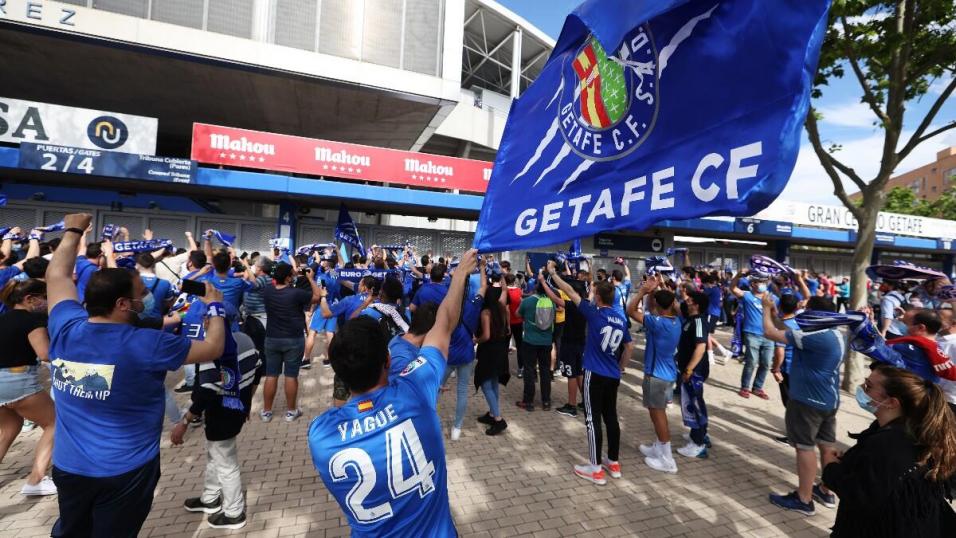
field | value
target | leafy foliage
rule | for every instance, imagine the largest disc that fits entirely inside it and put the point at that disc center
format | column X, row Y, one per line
column 903, row 200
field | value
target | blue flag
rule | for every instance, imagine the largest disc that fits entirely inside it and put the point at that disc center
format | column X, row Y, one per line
column 658, row 110
column 3, row 200
column 347, row 232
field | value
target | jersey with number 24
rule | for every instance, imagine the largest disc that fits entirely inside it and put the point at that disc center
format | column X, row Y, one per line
column 382, row 456
column 607, row 332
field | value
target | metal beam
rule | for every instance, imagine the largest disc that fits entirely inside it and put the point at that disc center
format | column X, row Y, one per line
column 485, row 57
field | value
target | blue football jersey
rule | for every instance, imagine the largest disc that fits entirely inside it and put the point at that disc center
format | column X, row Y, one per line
column 607, row 332
column 382, row 456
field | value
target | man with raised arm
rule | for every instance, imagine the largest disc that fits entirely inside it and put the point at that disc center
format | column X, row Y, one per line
column 381, row 455
column 108, row 378
column 606, row 332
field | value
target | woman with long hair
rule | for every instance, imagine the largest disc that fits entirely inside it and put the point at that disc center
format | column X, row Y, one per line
column 24, row 339
column 893, row 482
column 493, row 337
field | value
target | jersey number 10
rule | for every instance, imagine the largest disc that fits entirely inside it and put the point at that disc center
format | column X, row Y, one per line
column 401, row 440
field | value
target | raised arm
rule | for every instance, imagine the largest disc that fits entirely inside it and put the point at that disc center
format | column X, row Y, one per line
column 733, row 285
column 804, row 290
column 635, row 308
column 770, row 330
column 33, row 250
column 562, row 285
column 6, row 248
column 207, row 245
column 450, row 310
column 59, row 274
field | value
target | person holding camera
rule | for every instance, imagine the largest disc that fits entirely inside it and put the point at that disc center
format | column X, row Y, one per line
column 108, row 377
column 285, row 340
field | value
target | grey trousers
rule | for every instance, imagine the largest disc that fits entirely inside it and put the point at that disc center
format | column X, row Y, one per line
column 223, row 478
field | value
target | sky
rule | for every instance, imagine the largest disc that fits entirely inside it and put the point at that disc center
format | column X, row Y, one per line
column 846, row 121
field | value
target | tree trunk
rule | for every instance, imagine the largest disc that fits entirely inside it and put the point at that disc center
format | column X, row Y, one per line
column 853, row 367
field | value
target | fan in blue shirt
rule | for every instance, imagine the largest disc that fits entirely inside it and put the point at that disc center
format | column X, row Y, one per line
column 381, row 455
column 604, row 360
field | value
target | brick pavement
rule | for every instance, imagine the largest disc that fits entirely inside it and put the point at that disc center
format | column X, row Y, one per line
column 516, row 484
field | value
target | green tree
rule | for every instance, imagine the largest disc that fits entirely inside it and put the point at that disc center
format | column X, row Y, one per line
column 902, row 200
column 895, row 50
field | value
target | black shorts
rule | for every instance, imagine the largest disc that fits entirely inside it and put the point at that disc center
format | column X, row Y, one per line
column 571, row 358
column 712, row 323
column 557, row 333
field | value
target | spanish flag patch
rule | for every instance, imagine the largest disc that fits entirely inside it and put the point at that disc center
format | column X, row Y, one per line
column 365, row 406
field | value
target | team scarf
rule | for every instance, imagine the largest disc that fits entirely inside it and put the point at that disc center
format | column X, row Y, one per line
column 109, row 230
column 145, row 245
column 946, row 294
column 692, row 407
column 902, row 270
column 737, row 341
column 392, row 312
column 672, row 251
column 223, row 237
column 224, row 372
column 769, row 266
column 5, row 232
column 58, row 227
column 309, row 249
column 941, row 364
column 657, row 264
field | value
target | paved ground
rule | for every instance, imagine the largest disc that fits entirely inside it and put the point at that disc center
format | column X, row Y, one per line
column 517, row 484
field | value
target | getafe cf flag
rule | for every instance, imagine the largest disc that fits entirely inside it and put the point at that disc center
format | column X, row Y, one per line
column 647, row 111
column 347, row 232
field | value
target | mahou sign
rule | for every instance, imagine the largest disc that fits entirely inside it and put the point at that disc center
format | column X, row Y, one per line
column 213, row 144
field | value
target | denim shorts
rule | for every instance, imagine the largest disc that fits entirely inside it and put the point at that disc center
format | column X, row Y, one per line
column 283, row 356
column 18, row 383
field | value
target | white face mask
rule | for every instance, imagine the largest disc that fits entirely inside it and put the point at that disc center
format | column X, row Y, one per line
column 761, row 288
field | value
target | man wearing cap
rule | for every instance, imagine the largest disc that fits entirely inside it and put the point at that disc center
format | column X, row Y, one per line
column 758, row 350
column 892, row 301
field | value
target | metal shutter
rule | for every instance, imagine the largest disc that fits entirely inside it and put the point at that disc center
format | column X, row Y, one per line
column 232, row 17
column 255, row 237
column 25, row 218
column 340, row 28
column 295, row 23
column 382, row 35
column 170, row 228
column 179, row 12
column 423, row 35
column 133, row 223
column 454, row 244
column 134, row 8
column 311, row 234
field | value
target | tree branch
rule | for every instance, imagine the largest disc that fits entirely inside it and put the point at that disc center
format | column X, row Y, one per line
column 848, row 172
column 918, row 136
column 868, row 96
column 827, row 160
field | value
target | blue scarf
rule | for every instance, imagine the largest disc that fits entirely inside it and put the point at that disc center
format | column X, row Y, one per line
column 736, row 341
column 108, row 231
column 58, row 227
column 692, row 407
column 308, row 249
column 223, row 237
column 142, row 246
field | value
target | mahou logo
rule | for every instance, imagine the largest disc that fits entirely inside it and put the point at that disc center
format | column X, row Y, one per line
column 428, row 167
column 242, row 144
column 341, row 157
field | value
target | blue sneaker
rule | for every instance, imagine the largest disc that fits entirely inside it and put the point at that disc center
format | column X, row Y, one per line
column 791, row 501
column 826, row 499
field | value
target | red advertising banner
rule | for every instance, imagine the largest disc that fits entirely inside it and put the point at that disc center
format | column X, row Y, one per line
column 213, row 144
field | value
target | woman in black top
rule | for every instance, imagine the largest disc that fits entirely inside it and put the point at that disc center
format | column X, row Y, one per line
column 23, row 339
column 893, row 481
column 492, row 356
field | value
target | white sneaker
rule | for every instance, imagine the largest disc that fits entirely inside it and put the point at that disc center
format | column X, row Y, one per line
column 43, row 487
column 720, row 360
column 266, row 416
column 665, row 464
column 292, row 415
column 455, row 434
column 692, row 450
column 651, row 450
column 28, row 426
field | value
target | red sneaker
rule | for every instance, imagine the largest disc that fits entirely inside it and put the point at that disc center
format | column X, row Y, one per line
column 744, row 393
column 760, row 393
column 584, row 471
column 613, row 468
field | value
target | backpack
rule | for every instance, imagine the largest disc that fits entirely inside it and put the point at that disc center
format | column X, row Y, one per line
column 544, row 314
column 393, row 322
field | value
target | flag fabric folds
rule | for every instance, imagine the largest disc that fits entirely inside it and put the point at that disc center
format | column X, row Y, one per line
column 648, row 111
column 347, row 232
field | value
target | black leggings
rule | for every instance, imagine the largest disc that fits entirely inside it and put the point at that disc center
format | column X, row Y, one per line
column 600, row 404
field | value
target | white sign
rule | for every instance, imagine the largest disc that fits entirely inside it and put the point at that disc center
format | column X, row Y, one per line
column 42, row 123
column 831, row 216
column 38, row 12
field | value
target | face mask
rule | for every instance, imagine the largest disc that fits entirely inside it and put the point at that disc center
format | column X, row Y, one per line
column 761, row 288
column 866, row 403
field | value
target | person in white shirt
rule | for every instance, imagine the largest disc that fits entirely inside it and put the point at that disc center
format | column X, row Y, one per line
column 947, row 344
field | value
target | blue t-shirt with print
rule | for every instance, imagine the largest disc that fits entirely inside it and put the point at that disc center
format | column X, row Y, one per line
column 788, row 349
column 663, row 335
column 607, row 332
column 401, row 352
column 108, row 380
column 815, row 370
column 430, row 292
column 331, row 281
column 347, row 306
column 753, row 313
column 382, row 456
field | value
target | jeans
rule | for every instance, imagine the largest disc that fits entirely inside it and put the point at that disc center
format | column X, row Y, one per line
column 284, row 356
column 104, row 506
column 223, row 477
column 540, row 357
column 490, row 388
column 464, row 381
column 189, row 371
column 758, row 354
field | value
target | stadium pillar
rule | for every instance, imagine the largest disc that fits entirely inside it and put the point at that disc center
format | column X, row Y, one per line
column 875, row 257
column 286, row 225
column 516, row 64
column 948, row 264
column 782, row 251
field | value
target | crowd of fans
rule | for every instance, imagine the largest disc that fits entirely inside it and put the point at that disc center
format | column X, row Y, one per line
column 110, row 317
